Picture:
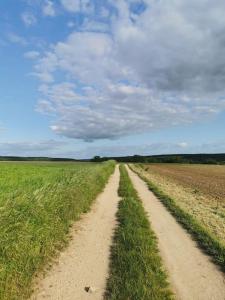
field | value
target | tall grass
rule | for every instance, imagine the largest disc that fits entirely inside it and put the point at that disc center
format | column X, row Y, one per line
column 206, row 241
column 136, row 271
column 38, row 203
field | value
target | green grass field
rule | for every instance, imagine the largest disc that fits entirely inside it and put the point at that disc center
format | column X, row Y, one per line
column 136, row 269
column 38, row 204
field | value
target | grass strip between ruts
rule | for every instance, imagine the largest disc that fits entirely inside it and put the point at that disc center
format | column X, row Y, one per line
column 206, row 241
column 136, row 270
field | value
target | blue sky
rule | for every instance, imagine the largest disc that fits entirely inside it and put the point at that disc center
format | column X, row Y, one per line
column 81, row 78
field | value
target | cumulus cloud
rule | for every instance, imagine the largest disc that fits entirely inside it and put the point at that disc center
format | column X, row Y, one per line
column 162, row 68
column 180, row 45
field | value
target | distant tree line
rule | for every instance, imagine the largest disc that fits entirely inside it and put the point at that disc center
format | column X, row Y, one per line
column 21, row 158
column 171, row 158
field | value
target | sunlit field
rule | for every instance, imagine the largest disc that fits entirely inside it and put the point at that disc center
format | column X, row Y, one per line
column 206, row 179
column 38, row 204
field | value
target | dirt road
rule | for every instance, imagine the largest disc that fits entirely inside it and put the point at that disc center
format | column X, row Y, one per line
column 193, row 276
column 85, row 262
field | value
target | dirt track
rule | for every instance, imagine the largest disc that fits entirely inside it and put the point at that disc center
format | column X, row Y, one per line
column 85, row 262
column 193, row 276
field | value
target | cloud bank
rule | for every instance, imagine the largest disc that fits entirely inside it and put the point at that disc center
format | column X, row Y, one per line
column 54, row 148
column 28, row 148
column 151, row 65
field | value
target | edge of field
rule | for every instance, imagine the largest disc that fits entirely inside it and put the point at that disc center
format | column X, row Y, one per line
column 136, row 270
column 205, row 240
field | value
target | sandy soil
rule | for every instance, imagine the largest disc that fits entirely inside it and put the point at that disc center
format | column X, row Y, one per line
column 192, row 275
column 85, row 262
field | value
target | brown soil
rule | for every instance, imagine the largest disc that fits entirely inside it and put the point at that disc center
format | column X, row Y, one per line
column 207, row 179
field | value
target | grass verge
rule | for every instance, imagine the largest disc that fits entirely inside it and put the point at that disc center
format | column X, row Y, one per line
column 136, row 271
column 38, row 204
column 206, row 241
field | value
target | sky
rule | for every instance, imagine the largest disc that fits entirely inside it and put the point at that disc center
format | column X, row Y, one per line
column 80, row 78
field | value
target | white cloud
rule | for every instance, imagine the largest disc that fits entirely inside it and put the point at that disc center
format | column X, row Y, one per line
column 71, row 5
column 182, row 144
column 104, row 12
column 46, row 66
column 16, row 39
column 29, row 148
column 164, row 69
column 84, row 6
column 70, row 24
column 48, row 9
column 31, row 54
column 54, row 148
column 93, row 26
column 118, row 149
column 87, row 6
column 28, row 18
